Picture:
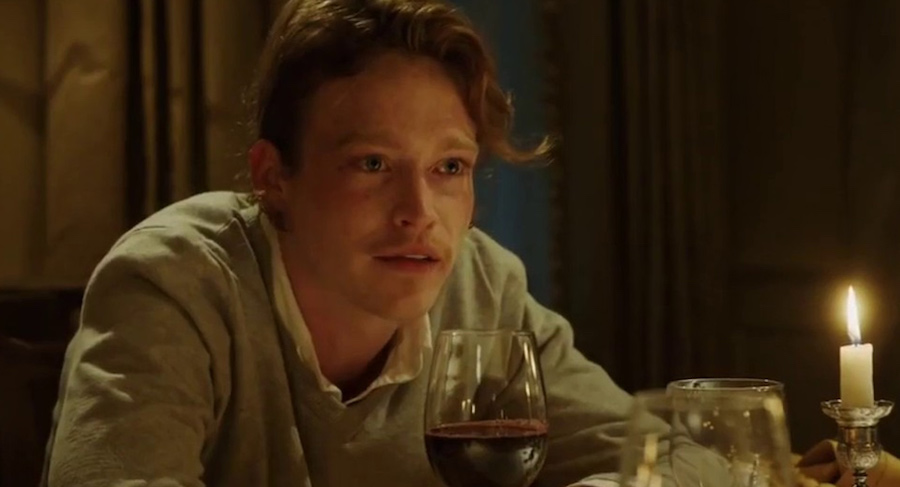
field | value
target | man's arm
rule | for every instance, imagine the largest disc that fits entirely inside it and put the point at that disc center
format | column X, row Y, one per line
column 587, row 410
column 588, row 413
column 136, row 397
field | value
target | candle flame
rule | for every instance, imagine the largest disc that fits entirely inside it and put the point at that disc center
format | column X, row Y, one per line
column 853, row 318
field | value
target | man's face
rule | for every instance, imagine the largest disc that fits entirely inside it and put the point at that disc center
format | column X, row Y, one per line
column 383, row 195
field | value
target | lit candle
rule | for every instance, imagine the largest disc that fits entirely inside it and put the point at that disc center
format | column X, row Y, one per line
column 856, row 362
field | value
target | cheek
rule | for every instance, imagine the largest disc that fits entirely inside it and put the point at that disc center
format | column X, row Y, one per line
column 313, row 193
column 337, row 208
column 457, row 210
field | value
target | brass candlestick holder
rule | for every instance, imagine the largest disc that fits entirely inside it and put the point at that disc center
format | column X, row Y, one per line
column 858, row 447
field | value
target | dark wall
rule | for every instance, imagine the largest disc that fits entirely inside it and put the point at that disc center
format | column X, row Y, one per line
column 514, row 203
column 812, row 166
column 811, row 188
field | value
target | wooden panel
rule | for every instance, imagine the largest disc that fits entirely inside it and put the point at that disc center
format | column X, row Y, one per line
column 21, row 136
column 34, row 330
column 85, row 148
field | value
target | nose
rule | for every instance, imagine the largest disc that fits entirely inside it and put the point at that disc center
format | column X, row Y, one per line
column 414, row 208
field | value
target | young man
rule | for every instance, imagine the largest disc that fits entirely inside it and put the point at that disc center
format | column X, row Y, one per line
column 282, row 339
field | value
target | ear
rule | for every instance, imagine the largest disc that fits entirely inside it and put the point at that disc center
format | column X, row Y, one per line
column 267, row 174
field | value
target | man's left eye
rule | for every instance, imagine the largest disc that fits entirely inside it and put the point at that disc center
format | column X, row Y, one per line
column 452, row 166
column 372, row 164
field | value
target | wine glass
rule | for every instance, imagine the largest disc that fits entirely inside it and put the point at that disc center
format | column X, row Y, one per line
column 726, row 385
column 725, row 438
column 485, row 414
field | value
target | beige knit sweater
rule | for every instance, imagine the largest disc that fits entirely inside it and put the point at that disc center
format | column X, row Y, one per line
column 180, row 374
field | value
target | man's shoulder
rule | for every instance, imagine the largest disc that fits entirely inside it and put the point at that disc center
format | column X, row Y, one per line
column 482, row 250
column 185, row 235
column 485, row 263
column 205, row 213
column 486, row 279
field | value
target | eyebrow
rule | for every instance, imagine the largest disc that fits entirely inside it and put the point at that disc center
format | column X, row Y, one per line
column 453, row 141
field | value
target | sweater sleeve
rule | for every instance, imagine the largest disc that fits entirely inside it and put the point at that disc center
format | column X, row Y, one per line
column 587, row 411
column 136, row 395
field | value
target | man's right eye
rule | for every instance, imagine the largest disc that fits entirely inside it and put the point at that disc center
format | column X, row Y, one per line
column 372, row 164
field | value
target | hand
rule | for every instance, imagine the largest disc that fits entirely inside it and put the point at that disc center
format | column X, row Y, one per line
column 820, row 465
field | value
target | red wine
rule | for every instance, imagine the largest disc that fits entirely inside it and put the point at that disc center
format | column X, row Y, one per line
column 499, row 453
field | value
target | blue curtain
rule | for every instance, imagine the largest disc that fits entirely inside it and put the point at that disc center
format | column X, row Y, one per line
column 513, row 203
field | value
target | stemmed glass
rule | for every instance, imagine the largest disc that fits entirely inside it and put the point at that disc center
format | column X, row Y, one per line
column 485, row 414
column 726, row 385
column 718, row 438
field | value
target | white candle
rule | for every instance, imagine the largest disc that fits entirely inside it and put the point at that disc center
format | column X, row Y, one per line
column 856, row 363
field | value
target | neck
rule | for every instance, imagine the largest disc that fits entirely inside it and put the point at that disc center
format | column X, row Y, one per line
column 351, row 347
column 351, row 344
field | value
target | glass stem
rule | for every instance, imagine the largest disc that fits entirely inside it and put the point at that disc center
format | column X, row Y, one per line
column 860, row 477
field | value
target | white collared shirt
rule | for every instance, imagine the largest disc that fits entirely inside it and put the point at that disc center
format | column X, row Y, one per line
column 404, row 363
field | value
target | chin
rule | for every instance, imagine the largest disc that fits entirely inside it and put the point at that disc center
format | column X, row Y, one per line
column 407, row 308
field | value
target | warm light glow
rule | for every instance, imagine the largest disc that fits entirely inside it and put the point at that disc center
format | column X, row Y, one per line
column 853, row 318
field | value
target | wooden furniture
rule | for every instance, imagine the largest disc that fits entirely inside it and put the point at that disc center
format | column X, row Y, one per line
column 34, row 330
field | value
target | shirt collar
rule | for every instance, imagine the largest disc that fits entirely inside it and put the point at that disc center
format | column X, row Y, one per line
column 404, row 363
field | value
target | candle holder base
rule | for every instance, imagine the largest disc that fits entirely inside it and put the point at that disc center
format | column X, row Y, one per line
column 858, row 447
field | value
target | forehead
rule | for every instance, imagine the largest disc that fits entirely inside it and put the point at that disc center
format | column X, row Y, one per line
column 394, row 92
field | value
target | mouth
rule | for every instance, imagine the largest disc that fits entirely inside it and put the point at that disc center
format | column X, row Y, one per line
column 410, row 261
column 412, row 257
